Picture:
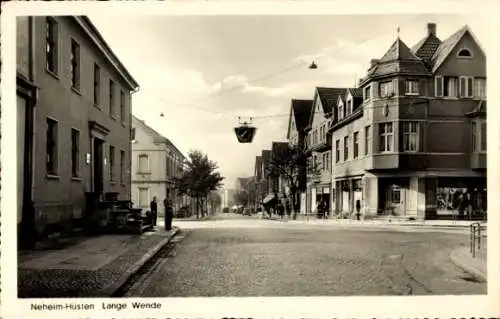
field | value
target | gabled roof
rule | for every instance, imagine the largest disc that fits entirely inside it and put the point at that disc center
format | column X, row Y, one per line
column 328, row 98
column 157, row 137
column 398, row 59
column 355, row 92
column 301, row 111
column 448, row 45
column 426, row 48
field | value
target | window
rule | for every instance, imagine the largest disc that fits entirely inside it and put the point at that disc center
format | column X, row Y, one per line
column 411, row 138
column 111, row 163
column 480, row 88
column 144, row 197
column 483, row 136
column 367, row 140
column 143, row 164
column 349, row 107
column 97, row 84
column 132, row 134
column 386, row 137
column 122, row 166
column 446, row 86
column 438, row 83
column 464, row 53
column 75, row 65
column 474, row 136
column 411, row 87
column 75, row 153
column 466, row 86
column 122, row 107
column 355, row 138
column 367, row 92
column 111, row 98
column 386, row 89
column 346, row 148
column 51, row 147
column 324, row 162
column 51, row 44
column 337, row 151
column 341, row 111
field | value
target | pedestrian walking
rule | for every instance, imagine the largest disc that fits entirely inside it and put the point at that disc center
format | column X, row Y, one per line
column 154, row 210
column 169, row 214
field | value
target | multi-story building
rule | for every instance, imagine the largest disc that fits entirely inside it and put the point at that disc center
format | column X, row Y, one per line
column 74, row 107
column 418, row 138
column 265, row 186
column 319, row 146
column 277, row 182
column 156, row 162
column 300, row 111
column 258, row 177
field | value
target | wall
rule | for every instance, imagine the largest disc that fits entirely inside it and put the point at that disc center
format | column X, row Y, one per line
column 64, row 195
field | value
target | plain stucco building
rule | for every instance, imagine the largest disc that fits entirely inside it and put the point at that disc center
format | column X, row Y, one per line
column 74, row 107
column 155, row 163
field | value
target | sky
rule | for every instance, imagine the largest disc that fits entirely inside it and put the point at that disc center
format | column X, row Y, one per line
column 203, row 72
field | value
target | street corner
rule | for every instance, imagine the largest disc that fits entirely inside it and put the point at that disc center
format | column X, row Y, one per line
column 463, row 259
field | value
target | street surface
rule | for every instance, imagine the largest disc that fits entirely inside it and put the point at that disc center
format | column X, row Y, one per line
column 244, row 256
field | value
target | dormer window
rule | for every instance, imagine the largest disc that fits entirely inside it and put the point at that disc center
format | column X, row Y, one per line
column 464, row 53
column 341, row 111
column 349, row 106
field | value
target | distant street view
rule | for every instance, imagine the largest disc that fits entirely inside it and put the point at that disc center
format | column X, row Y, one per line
column 251, row 156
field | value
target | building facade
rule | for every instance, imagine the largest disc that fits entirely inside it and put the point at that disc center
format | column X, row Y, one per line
column 74, row 108
column 319, row 147
column 155, row 163
column 300, row 111
column 417, row 140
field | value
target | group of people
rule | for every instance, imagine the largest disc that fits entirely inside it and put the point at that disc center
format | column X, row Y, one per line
column 281, row 207
column 169, row 212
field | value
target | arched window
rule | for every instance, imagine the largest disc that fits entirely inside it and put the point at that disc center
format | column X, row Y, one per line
column 464, row 53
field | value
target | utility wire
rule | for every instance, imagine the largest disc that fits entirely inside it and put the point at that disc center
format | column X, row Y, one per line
column 284, row 70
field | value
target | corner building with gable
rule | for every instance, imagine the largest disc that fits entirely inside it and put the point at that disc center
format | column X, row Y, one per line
column 413, row 138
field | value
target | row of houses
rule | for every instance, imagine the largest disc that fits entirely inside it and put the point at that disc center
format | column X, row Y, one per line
column 407, row 141
column 75, row 129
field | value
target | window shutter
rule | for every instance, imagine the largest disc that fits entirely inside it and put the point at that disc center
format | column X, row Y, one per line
column 438, row 84
column 470, row 86
column 462, row 86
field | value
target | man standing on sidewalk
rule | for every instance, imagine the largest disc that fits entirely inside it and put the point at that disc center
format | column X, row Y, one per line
column 169, row 214
column 154, row 210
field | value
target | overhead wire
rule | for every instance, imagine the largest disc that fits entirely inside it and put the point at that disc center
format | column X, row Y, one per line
column 284, row 70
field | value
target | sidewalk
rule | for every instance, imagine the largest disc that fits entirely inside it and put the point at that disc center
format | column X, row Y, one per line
column 474, row 266
column 88, row 267
column 313, row 220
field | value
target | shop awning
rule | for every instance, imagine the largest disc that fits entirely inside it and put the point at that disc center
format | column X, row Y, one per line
column 268, row 198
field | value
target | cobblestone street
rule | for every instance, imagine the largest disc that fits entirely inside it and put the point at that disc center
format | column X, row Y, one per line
column 250, row 257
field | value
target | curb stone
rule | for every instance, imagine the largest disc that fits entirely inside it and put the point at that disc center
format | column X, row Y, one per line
column 454, row 256
column 115, row 286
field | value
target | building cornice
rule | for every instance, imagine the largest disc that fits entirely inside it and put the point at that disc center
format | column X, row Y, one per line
column 92, row 32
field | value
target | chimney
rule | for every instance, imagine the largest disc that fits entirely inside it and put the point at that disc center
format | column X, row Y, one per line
column 431, row 29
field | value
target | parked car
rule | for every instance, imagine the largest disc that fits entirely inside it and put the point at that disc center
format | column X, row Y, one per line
column 225, row 210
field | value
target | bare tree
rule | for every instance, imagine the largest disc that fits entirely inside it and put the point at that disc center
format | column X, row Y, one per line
column 292, row 164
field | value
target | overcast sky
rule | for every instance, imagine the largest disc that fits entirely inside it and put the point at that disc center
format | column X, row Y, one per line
column 186, row 65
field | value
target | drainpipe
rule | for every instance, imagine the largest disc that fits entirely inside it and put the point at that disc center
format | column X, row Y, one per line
column 129, row 195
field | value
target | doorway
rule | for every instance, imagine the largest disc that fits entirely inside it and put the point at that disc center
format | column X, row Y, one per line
column 97, row 160
column 396, row 200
